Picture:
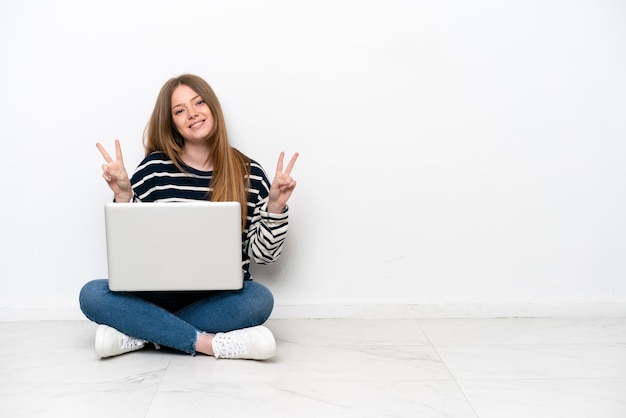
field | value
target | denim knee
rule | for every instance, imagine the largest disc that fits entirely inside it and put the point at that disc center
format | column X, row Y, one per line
column 263, row 301
column 90, row 297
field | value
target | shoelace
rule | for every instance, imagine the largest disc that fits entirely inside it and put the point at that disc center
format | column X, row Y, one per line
column 129, row 343
column 228, row 347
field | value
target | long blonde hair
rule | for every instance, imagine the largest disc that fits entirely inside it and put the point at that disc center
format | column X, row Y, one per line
column 231, row 168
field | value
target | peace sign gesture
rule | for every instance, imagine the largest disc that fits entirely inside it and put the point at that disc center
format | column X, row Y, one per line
column 115, row 174
column 282, row 185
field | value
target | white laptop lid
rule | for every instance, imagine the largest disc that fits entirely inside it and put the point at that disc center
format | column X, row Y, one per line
column 174, row 246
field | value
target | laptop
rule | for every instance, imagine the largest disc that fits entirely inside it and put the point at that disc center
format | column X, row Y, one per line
column 174, row 246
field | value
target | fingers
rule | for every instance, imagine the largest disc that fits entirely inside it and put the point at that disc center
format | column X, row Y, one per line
column 288, row 186
column 105, row 154
column 279, row 167
column 118, row 151
column 291, row 163
column 283, row 182
column 105, row 172
column 113, row 171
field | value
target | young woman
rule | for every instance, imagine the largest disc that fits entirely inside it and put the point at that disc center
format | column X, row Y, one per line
column 189, row 157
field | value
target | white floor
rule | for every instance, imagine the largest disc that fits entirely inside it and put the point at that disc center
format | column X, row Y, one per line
column 486, row 368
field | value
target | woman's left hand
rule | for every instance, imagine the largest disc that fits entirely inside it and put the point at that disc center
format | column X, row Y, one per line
column 282, row 185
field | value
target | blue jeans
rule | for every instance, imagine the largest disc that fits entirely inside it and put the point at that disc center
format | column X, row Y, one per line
column 174, row 319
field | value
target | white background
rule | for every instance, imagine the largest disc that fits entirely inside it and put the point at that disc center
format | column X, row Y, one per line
column 453, row 154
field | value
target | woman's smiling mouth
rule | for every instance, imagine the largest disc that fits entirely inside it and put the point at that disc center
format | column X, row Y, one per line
column 197, row 124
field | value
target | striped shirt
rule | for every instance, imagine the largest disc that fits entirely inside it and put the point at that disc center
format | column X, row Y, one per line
column 157, row 179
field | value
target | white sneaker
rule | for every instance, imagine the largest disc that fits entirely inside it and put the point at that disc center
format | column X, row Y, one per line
column 111, row 342
column 254, row 343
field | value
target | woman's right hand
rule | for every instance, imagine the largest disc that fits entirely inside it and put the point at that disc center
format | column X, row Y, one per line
column 115, row 174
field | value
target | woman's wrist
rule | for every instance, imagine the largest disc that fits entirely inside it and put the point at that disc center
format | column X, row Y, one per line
column 123, row 197
column 277, row 209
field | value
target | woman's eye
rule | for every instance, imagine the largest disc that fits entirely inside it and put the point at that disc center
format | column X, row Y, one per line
column 200, row 102
column 178, row 111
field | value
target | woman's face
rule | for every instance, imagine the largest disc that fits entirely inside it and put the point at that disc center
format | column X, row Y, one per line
column 192, row 116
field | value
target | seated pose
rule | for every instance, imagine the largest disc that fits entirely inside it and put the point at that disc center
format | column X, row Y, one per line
column 188, row 157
